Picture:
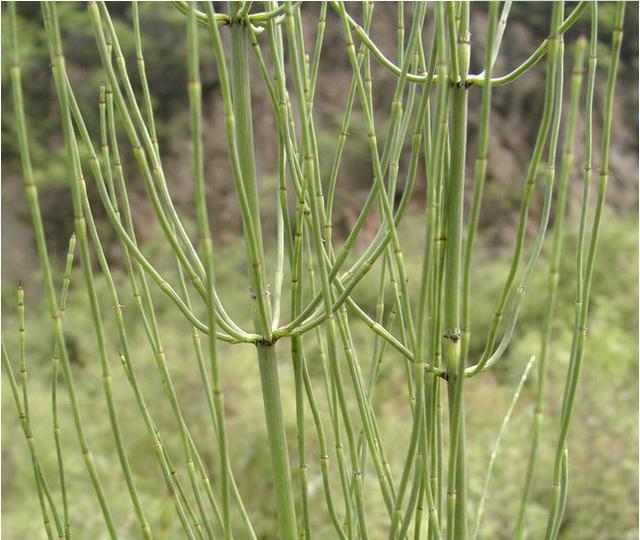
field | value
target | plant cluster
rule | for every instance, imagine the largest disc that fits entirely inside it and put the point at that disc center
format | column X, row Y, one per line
column 314, row 280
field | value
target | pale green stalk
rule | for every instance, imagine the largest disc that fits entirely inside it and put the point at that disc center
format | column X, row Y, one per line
column 148, row 108
column 452, row 350
column 480, row 172
column 35, row 463
column 297, row 349
column 378, row 170
column 418, row 445
column 366, row 261
column 236, row 335
column 195, row 100
column 143, row 146
column 342, row 331
column 585, row 275
column 36, row 217
column 554, row 275
column 435, row 158
column 400, row 32
column 432, row 333
column 22, row 356
column 335, row 424
column 136, row 119
column 54, row 390
column 154, row 339
column 315, row 63
column 344, row 130
column 152, row 333
column 538, row 54
column 25, row 418
column 546, row 210
column 150, row 326
column 496, row 447
column 241, row 150
column 170, row 224
column 82, row 223
column 23, row 414
column 196, row 340
column 535, row 57
column 497, row 39
column 488, row 354
column 316, row 202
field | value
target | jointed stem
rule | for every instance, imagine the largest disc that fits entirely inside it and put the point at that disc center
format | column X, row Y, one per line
column 313, row 277
column 554, row 275
column 584, row 275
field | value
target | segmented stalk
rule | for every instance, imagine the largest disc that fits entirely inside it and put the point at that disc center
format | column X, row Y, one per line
column 585, row 276
column 431, row 332
column 554, row 275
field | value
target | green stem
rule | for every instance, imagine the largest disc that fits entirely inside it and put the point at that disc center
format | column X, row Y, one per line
column 554, row 278
column 270, row 384
column 585, row 276
column 456, row 507
column 496, row 447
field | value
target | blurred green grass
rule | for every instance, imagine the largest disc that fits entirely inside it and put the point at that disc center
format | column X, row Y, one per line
column 603, row 440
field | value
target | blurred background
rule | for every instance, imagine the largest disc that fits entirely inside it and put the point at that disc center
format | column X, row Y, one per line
column 603, row 493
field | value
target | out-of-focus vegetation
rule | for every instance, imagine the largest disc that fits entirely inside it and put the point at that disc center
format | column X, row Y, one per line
column 513, row 131
column 603, row 442
column 603, row 491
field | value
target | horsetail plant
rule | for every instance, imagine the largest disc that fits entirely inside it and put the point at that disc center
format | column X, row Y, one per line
column 428, row 120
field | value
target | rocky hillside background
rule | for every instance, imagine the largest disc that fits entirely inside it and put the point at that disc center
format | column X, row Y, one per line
column 516, row 112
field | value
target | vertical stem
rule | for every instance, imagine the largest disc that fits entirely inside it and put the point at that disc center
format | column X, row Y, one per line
column 480, row 176
column 83, row 225
column 22, row 342
column 54, row 390
column 26, row 429
column 36, row 217
column 195, row 99
column 240, row 129
column 496, row 446
column 277, row 440
column 456, row 508
column 585, row 275
column 530, row 183
column 241, row 93
column 554, row 278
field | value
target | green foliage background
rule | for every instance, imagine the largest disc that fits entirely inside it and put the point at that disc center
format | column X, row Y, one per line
column 603, row 496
